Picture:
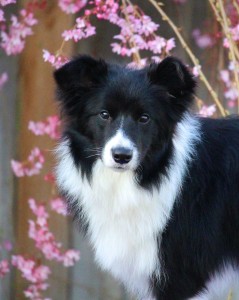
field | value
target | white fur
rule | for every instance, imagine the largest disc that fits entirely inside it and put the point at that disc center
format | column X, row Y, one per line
column 119, row 139
column 125, row 219
column 220, row 285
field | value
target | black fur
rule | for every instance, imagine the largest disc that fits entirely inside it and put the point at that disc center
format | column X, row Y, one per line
column 203, row 232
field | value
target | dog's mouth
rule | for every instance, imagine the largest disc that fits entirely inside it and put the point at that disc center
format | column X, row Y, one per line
column 119, row 168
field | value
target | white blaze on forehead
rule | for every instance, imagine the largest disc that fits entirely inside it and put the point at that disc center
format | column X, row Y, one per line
column 119, row 140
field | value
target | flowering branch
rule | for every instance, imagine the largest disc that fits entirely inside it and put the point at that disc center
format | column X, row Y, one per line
column 136, row 55
column 218, row 8
column 191, row 55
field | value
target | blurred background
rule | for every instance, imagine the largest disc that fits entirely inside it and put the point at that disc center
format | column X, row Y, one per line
column 29, row 95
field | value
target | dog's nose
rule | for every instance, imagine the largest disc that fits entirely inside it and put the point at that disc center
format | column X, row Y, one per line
column 122, row 155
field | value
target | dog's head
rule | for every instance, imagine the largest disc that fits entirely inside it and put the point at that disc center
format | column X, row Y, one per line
column 122, row 116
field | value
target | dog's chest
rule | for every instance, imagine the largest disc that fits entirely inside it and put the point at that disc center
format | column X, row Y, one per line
column 124, row 221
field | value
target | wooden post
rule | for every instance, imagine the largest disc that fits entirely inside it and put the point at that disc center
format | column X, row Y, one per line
column 7, row 152
column 36, row 102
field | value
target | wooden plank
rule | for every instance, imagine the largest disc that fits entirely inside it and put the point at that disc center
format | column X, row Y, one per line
column 36, row 102
column 7, row 152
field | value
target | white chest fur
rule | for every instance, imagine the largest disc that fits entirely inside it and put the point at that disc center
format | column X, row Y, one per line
column 124, row 219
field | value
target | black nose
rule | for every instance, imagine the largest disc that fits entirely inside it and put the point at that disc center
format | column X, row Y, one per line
column 122, row 155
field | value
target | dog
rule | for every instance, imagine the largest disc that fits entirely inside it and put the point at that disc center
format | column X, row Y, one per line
column 154, row 186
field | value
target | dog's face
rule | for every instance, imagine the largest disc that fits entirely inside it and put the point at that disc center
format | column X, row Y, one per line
column 120, row 115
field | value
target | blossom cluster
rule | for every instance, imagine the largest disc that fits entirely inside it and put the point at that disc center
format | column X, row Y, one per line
column 56, row 61
column 58, row 205
column 82, row 29
column 137, row 31
column 228, row 75
column 6, row 245
column 207, row 111
column 44, row 238
column 228, row 36
column 31, row 166
column 50, row 127
column 71, row 6
column 4, row 268
column 12, row 38
column 36, row 274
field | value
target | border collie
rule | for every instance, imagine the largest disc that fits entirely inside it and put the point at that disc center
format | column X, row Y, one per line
column 155, row 188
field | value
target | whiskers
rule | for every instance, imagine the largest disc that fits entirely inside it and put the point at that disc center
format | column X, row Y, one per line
column 93, row 152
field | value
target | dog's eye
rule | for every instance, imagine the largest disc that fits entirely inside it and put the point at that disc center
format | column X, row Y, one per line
column 104, row 115
column 144, row 119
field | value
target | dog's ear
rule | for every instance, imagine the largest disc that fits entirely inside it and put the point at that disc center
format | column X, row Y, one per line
column 82, row 72
column 174, row 75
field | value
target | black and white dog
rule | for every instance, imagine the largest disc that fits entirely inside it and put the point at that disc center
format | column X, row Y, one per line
column 155, row 187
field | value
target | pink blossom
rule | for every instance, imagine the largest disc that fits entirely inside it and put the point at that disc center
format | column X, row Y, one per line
column 71, row 6
column 231, row 103
column 170, row 44
column 232, row 93
column 34, row 291
column 3, row 79
column 70, row 257
column 235, row 32
column 7, row 245
column 6, row 2
column 39, row 211
column 32, row 166
column 4, row 268
column 203, row 40
column 139, row 64
column 226, row 43
column 41, row 273
column 207, row 111
column 146, row 26
column 157, row 44
column 196, row 70
column 55, row 60
column 2, row 18
column 50, row 178
column 225, row 77
column 232, row 65
column 122, row 50
column 49, row 127
column 156, row 59
column 59, row 206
